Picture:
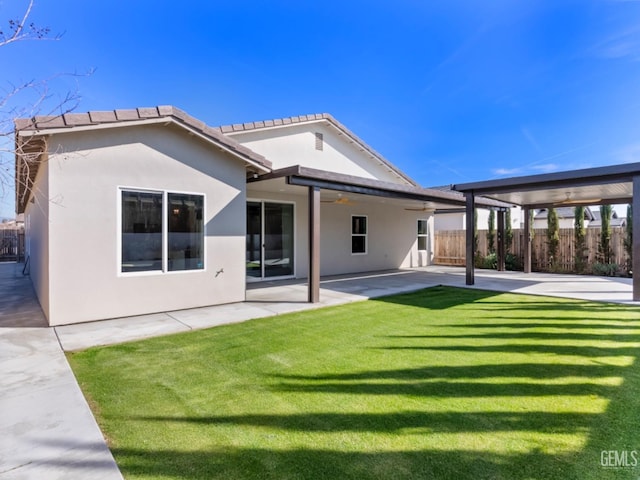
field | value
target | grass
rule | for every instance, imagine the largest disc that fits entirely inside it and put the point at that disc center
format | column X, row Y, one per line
column 441, row 383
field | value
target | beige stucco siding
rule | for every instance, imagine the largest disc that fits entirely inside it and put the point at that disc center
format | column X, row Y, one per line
column 296, row 145
column 86, row 282
column 392, row 237
column 37, row 236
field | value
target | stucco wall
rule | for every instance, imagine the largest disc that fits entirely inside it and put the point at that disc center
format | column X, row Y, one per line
column 392, row 237
column 37, row 236
column 296, row 145
column 457, row 221
column 391, row 242
column 86, row 283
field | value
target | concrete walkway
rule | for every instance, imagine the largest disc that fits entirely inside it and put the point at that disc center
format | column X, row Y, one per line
column 48, row 431
column 266, row 299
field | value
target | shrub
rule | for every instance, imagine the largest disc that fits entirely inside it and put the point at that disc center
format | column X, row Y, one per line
column 513, row 262
column 490, row 262
column 605, row 269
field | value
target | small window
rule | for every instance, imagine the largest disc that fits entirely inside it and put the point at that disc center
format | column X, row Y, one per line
column 319, row 141
column 358, row 234
column 422, row 235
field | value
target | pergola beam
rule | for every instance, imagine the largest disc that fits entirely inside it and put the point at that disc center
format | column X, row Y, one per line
column 635, row 266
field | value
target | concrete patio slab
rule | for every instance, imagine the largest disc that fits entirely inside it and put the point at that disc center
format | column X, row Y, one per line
column 83, row 335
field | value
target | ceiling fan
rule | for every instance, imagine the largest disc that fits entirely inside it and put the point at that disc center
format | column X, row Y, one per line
column 571, row 201
column 340, row 201
column 423, row 209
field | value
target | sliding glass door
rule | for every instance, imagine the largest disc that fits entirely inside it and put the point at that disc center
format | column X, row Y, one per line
column 270, row 245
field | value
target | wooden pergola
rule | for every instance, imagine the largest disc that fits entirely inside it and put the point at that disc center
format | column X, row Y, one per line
column 593, row 186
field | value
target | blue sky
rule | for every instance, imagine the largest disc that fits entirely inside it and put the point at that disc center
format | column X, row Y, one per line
column 450, row 91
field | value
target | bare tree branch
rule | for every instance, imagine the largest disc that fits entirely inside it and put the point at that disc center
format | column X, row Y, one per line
column 20, row 29
column 21, row 154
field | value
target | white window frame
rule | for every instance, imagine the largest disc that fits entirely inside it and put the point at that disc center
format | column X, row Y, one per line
column 365, row 235
column 422, row 235
column 165, row 232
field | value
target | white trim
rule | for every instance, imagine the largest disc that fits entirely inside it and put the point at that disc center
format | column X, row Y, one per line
column 365, row 235
column 425, row 235
column 164, row 231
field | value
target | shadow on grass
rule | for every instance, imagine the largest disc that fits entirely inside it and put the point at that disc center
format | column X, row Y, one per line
column 443, row 297
column 316, row 464
column 590, row 376
column 518, row 370
column 418, row 422
column 587, row 351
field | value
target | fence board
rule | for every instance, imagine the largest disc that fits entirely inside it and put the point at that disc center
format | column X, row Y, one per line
column 11, row 244
column 450, row 247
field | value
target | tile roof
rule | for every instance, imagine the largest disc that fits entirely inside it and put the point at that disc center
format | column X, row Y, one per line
column 314, row 117
column 41, row 124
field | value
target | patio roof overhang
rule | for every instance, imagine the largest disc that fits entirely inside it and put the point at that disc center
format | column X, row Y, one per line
column 591, row 186
column 298, row 175
column 314, row 180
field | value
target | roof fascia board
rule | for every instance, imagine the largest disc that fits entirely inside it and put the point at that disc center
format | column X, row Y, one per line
column 606, row 201
column 304, row 176
column 137, row 123
column 358, row 189
column 234, row 133
column 571, row 178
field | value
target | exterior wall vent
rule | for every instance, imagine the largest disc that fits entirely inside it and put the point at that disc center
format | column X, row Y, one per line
column 319, row 141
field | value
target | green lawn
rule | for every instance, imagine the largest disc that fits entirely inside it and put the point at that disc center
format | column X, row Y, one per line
column 442, row 383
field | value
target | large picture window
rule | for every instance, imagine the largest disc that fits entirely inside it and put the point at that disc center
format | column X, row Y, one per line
column 162, row 231
column 358, row 234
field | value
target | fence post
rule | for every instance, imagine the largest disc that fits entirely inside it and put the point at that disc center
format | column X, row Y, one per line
column 501, row 262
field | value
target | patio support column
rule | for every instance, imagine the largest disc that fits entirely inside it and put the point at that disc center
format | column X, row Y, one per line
column 469, row 243
column 526, row 241
column 314, row 244
column 635, row 266
column 501, row 258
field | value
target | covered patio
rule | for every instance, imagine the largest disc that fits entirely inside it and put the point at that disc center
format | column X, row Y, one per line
column 320, row 191
column 609, row 185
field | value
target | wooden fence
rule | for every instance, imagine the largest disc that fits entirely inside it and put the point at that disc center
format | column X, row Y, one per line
column 11, row 244
column 450, row 247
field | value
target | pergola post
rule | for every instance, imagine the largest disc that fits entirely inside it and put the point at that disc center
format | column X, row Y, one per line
column 501, row 253
column 635, row 265
column 314, row 244
column 469, row 243
column 526, row 241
